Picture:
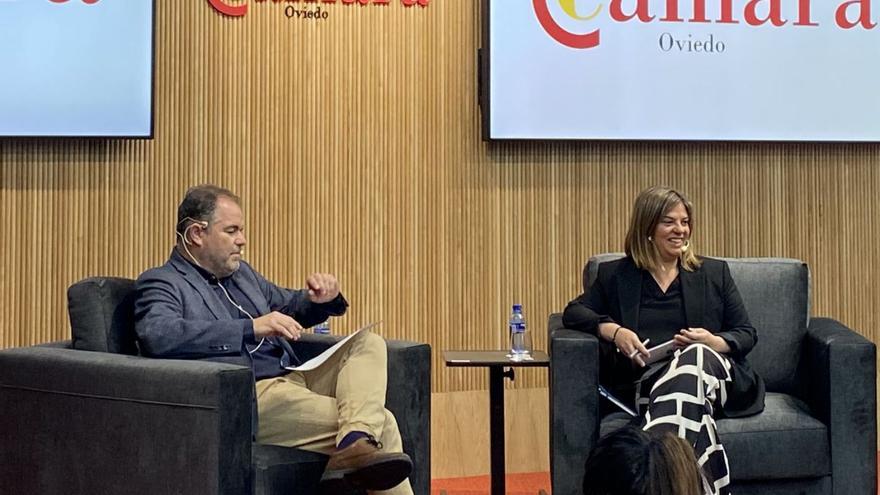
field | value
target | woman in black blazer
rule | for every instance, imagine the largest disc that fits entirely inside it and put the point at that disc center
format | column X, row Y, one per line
column 663, row 291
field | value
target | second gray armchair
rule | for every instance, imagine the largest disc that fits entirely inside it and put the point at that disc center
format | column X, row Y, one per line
column 817, row 433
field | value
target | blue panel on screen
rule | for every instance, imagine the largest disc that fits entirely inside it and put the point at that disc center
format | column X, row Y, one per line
column 76, row 68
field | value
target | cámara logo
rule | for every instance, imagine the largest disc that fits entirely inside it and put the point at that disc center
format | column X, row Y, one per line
column 240, row 7
column 848, row 15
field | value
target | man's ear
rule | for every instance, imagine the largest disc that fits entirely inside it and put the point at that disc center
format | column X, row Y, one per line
column 194, row 233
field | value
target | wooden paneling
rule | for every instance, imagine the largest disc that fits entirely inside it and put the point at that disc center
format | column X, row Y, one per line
column 460, row 435
column 354, row 142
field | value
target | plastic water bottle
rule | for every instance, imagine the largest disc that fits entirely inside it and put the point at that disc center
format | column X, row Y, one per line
column 517, row 324
column 322, row 328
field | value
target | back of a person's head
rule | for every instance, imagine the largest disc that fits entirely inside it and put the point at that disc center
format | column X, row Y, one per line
column 634, row 462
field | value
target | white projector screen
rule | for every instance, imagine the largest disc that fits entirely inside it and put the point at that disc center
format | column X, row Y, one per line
column 76, row 68
column 731, row 70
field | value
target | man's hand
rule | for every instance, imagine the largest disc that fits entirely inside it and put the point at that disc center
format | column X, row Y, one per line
column 688, row 336
column 279, row 324
column 323, row 287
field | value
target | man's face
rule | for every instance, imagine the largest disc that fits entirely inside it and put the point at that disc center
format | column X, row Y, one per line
column 223, row 240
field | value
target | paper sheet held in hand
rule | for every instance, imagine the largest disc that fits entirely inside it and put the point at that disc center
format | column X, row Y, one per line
column 324, row 356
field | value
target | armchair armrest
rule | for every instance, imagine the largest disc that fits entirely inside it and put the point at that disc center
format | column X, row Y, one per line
column 839, row 370
column 93, row 422
column 408, row 397
column 574, row 403
column 57, row 344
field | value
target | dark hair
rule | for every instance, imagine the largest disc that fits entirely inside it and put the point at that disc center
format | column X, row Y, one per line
column 635, row 462
column 199, row 203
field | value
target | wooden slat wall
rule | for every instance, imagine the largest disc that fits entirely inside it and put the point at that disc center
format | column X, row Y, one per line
column 355, row 145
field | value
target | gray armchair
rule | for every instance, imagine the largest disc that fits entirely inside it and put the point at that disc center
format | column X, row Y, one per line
column 89, row 416
column 817, row 434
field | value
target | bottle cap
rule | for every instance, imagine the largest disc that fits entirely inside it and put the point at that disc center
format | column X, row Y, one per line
column 517, row 308
column 323, row 327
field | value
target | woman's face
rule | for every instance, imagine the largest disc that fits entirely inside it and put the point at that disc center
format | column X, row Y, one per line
column 672, row 233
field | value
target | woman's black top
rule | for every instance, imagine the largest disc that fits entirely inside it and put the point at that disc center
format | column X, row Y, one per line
column 706, row 297
column 661, row 314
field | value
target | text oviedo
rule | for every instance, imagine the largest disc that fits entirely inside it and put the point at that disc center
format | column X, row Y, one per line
column 238, row 8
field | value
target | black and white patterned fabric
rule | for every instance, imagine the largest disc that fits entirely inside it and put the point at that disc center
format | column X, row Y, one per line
column 682, row 400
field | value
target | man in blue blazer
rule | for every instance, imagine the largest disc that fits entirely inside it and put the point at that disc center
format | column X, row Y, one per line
column 205, row 302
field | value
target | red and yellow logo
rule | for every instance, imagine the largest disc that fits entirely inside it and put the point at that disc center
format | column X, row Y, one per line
column 560, row 34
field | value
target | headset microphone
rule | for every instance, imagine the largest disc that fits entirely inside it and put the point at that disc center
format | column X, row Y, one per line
column 238, row 306
column 185, row 238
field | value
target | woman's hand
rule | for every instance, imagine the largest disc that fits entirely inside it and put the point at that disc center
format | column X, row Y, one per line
column 688, row 336
column 628, row 342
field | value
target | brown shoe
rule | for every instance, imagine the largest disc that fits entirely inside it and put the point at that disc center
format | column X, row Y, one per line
column 364, row 465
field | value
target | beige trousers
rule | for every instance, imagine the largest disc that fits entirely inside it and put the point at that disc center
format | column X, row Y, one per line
column 314, row 410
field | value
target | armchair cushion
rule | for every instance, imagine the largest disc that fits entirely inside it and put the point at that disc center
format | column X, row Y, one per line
column 776, row 293
column 784, row 441
column 285, row 470
column 101, row 313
